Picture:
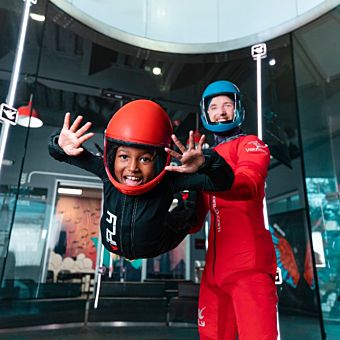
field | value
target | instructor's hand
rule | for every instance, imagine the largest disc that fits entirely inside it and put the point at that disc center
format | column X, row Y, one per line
column 72, row 137
column 192, row 158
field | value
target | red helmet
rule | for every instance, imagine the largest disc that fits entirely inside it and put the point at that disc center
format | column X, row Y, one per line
column 141, row 123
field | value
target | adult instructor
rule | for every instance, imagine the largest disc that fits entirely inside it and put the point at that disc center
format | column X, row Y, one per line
column 238, row 297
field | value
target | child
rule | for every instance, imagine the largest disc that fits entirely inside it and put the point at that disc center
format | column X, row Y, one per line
column 139, row 183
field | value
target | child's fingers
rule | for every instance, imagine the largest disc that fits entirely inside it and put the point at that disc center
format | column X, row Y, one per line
column 174, row 168
column 66, row 124
column 74, row 127
column 191, row 140
column 201, row 142
column 178, row 143
column 83, row 129
column 86, row 137
column 173, row 153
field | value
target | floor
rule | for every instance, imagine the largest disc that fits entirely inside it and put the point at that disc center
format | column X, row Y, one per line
column 105, row 333
column 292, row 328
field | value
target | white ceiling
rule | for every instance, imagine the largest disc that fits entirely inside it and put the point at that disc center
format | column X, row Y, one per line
column 194, row 26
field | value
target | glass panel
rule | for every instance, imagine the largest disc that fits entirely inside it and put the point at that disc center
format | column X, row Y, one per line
column 74, row 236
column 318, row 90
column 285, row 202
column 285, row 194
column 170, row 265
column 30, row 218
column 24, row 208
column 9, row 35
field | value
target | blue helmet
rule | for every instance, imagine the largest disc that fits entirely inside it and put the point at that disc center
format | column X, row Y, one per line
column 217, row 88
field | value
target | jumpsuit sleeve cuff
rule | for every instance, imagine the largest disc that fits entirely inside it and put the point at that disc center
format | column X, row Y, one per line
column 55, row 150
column 211, row 160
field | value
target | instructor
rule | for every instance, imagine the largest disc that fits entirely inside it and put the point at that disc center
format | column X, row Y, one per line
column 238, row 297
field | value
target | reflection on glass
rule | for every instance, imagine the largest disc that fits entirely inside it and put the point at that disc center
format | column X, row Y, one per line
column 325, row 219
column 27, row 234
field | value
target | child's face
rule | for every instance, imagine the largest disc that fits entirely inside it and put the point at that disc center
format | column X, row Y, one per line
column 134, row 166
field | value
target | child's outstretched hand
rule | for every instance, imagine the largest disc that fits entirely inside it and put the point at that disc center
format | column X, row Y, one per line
column 192, row 158
column 72, row 137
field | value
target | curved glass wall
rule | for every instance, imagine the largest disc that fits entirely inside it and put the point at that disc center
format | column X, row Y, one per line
column 317, row 77
column 49, row 239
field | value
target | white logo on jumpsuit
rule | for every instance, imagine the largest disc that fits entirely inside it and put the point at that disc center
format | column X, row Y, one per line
column 217, row 214
column 201, row 321
column 110, row 234
column 255, row 146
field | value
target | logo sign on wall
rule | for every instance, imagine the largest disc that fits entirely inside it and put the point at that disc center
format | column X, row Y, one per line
column 8, row 114
column 259, row 51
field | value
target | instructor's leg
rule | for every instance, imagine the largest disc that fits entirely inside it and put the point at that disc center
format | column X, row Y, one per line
column 207, row 311
column 255, row 303
column 216, row 317
column 227, row 328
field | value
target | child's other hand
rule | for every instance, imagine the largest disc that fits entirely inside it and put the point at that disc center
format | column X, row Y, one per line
column 192, row 158
column 72, row 137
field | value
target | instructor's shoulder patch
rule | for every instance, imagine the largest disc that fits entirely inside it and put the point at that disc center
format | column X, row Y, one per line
column 256, row 146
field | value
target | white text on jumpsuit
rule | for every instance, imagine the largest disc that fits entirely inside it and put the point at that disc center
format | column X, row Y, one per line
column 112, row 219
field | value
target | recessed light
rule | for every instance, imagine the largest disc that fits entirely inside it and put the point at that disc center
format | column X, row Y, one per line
column 157, row 71
column 272, row 62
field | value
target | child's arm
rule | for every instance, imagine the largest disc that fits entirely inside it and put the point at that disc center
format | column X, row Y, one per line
column 66, row 146
column 206, row 171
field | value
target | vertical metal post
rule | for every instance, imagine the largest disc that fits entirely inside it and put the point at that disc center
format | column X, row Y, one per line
column 110, row 266
column 258, row 53
column 144, row 270
column 15, row 75
column 259, row 96
column 99, row 272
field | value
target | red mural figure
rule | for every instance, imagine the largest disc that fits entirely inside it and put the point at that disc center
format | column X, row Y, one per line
column 308, row 273
column 285, row 257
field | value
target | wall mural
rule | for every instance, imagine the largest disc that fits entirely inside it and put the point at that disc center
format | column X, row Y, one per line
column 77, row 223
column 293, row 251
column 79, row 220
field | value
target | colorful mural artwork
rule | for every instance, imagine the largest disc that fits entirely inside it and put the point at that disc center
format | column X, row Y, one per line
column 293, row 251
column 79, row 223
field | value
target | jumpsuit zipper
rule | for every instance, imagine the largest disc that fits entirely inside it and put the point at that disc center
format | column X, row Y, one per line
column 121, row 229
column 132, row 234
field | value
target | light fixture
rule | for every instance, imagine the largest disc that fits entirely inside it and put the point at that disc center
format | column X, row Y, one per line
column 37, row 17
column 70, row 191
column 28, row 116
column 272, row 62
column 7, row 162
column 156, row 71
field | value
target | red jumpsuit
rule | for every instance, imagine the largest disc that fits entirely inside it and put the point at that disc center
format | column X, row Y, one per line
column 238, row 293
